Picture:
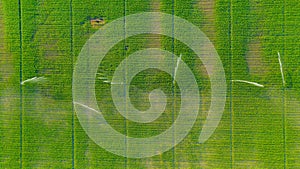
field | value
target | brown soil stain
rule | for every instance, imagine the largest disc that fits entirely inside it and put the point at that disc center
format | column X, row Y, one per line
column 256, row 65
column 6, row 60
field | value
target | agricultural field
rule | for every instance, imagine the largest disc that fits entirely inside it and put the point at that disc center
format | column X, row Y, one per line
column 257, row 41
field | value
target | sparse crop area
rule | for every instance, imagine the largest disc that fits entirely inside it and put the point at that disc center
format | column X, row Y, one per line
column 41, row 40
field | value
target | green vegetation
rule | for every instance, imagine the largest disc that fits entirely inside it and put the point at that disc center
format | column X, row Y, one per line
column 259, row 128
column 261, row 120
column 9, row 87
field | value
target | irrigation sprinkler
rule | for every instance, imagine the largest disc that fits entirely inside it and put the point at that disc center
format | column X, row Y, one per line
column 176, row 68
column 33, row 80
column 281, row 69
column 107, row 81
column 253, row 83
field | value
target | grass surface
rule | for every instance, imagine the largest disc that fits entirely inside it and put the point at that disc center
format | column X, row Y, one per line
column 259, row 128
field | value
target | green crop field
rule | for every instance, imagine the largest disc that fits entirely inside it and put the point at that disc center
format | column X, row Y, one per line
column 260, row 126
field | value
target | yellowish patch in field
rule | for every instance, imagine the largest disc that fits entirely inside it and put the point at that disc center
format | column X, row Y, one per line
column 6, row 60
column 256, row 65
column 154, row 41
column 208, row 9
